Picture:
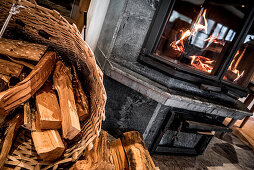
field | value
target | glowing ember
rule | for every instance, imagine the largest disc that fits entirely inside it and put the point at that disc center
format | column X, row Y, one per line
column 215, row 40
column 202, row 63
column 179, row 45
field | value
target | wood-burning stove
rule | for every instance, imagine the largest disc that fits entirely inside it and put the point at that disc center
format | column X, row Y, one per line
column 175, row 112
column 206, row 41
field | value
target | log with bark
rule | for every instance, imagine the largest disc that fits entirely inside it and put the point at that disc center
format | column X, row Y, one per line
column 62, row 79
column 118, row 155
column 80, row 97
column 9, row 68
column 98, row 157
column 12, row 129
column 136, row 151
column 130, row 153
column 22, row 49
column 20, row 93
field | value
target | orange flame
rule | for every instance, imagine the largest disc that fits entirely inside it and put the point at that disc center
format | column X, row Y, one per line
column 179, row 45
column 202, row 63
column 198, row 26
column 215, row 40
column 234, row 64
column 199, row 62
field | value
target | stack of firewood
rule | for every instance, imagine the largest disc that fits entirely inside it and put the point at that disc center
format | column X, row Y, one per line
column 127, row 152
column 39, row 92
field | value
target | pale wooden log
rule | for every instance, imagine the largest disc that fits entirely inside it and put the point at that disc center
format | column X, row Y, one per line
column 13, row 126
column 21, row 49
column 10, row 68
column 118, row 155
column 48, row 143
column 49, row 114
column 136, row 151
column 17, row 95
column 80, row 97
column 62, row 82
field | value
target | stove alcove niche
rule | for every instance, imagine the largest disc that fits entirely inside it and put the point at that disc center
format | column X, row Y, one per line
column 143, row 97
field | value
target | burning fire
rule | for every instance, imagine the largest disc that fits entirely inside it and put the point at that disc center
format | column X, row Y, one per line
column 202, row 63
column 199, row 62
column 234, row 64
column 215, row 40
column 198, row 26
column 179, row 44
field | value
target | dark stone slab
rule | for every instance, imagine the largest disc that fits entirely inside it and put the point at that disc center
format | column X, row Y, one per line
column 126, row 109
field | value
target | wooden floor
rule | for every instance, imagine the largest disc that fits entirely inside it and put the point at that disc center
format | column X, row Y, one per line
column 246, row 133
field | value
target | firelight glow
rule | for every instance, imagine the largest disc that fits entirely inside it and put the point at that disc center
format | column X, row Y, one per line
column 200, row 62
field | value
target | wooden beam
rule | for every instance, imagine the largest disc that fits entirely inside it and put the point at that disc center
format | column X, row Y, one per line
column 49, row 114
column 20, row 93
column 63, row 84
column 13, row 126
column 9, row 68
column 136, row 151
column 80, row 97
column 48, row 143
column 22, row 49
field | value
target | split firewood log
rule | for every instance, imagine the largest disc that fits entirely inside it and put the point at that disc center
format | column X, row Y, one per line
column 80, row 97
column 98, row 158
column 49, row 115
column 22, row 49
column 48, row 143
column 20, row 93
column 10, row 68
column 12, row 129
column 5, row 78
column 136, row 151
column 62, row 79
column 118, row 155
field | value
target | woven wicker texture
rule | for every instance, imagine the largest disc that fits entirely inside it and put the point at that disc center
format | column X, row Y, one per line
column 49, row 27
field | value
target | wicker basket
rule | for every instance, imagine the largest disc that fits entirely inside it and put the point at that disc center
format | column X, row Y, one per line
column 48, row 27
